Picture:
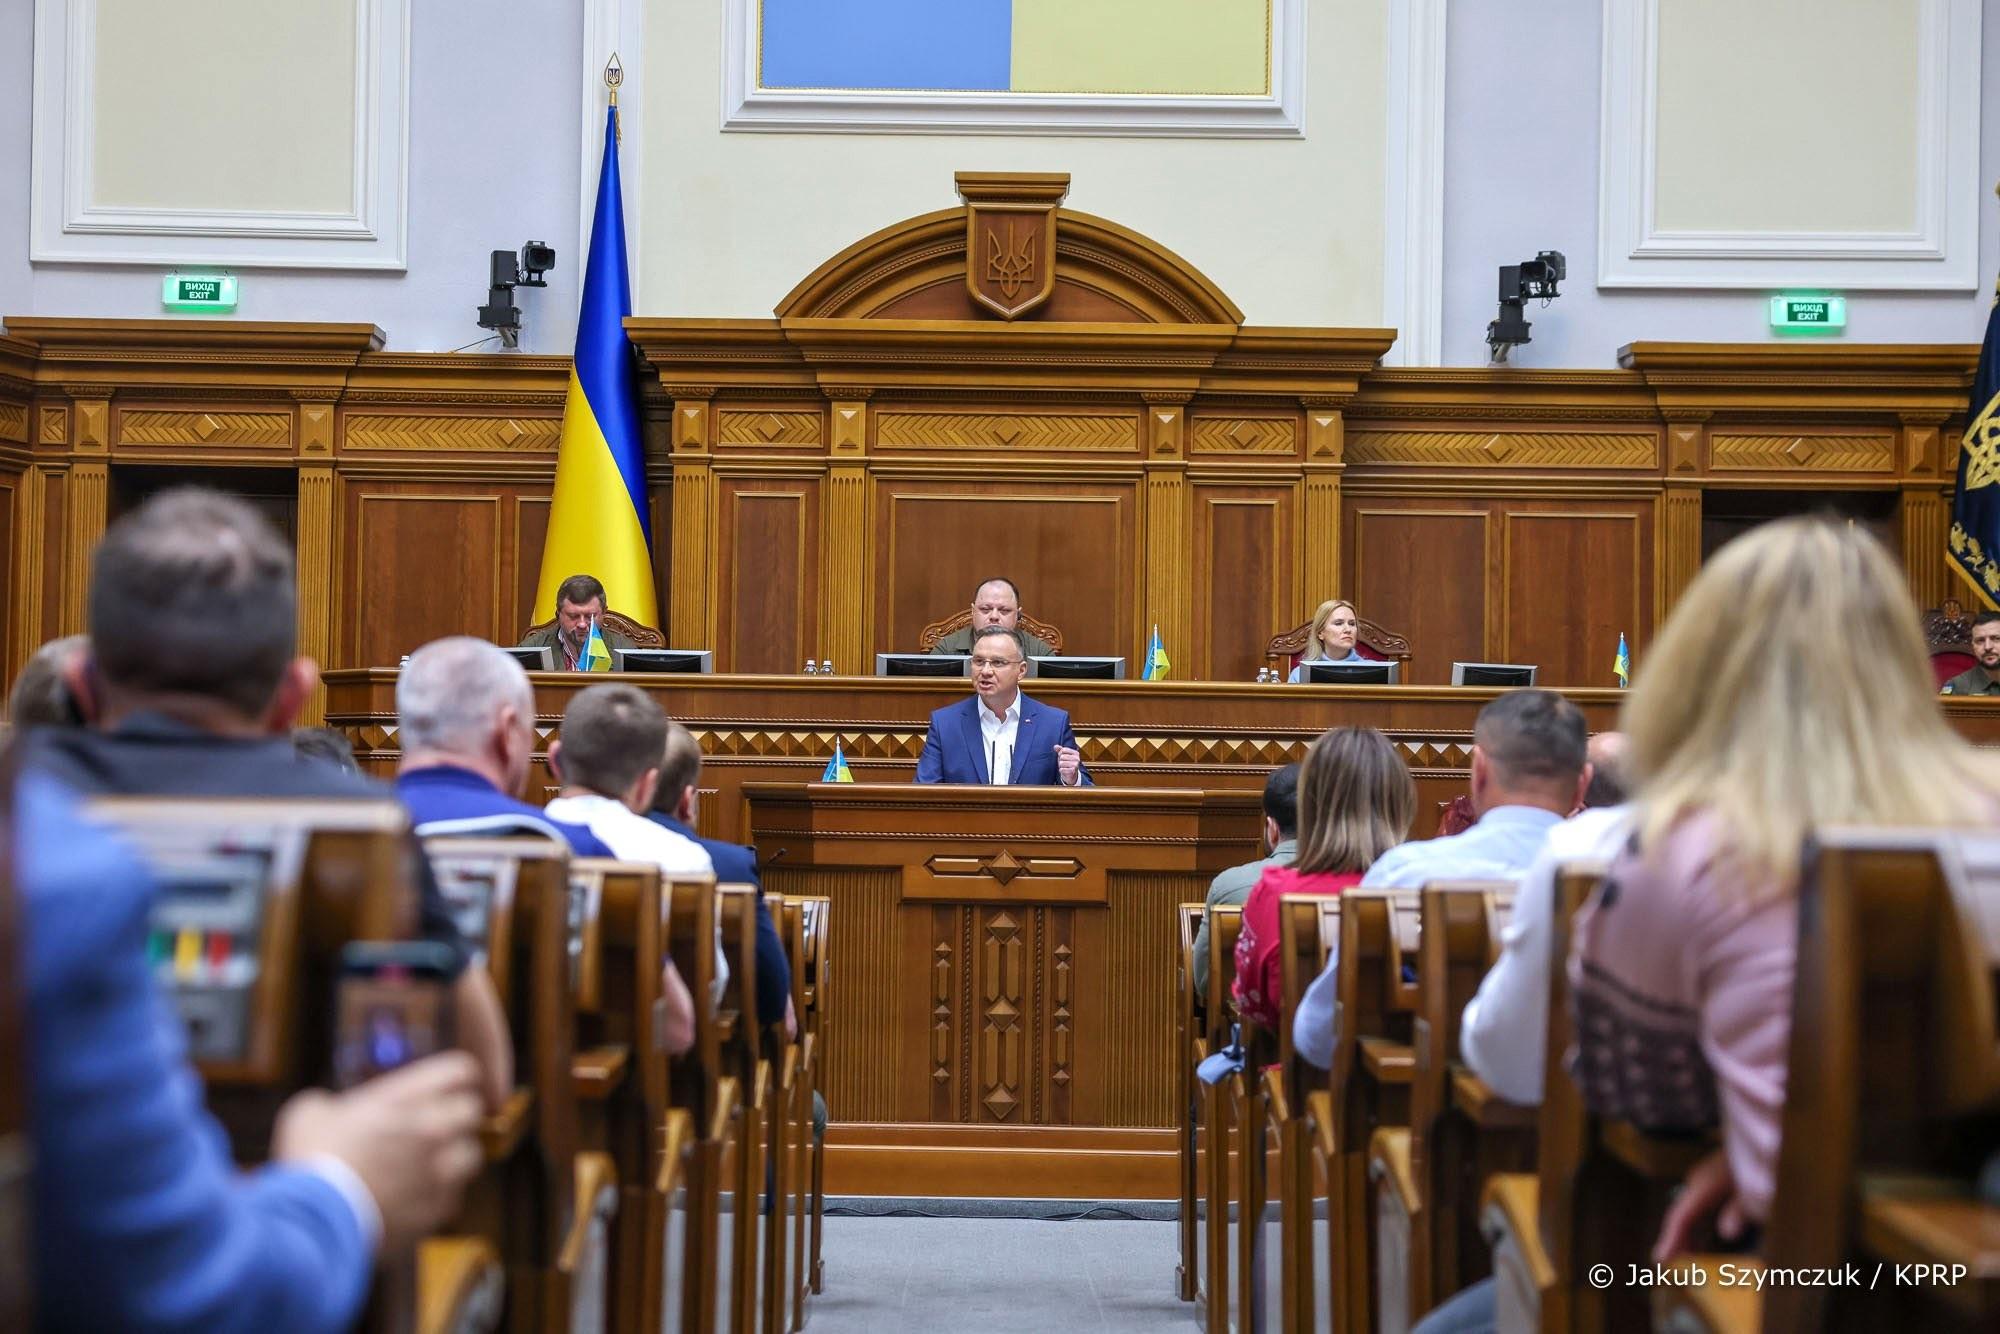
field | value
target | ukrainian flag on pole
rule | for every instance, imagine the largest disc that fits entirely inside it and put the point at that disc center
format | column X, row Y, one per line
column 1621, row 666
column 836, row 768
column 1157, row 665
column 598, row 519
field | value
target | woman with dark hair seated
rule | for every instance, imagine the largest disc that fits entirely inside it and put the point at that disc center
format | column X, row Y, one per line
column 1356, row 801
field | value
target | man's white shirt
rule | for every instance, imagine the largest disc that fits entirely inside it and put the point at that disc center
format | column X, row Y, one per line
column 633, row 838
column 999, row 734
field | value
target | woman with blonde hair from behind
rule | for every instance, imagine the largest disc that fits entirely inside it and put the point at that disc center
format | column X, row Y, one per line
column 1356, row 801
column 1750, row 728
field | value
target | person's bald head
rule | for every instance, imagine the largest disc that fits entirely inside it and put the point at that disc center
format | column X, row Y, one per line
column 1607, row 751
column 464, row 702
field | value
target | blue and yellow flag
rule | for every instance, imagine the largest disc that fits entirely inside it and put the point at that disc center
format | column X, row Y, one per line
column 596, row 656
column 1621, row 666
column 836, row 768
column 1974, row 545
column 598, row 518
column 1157, row 665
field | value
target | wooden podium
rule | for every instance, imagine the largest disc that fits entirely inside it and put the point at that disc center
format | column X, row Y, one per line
column 1001, row 1004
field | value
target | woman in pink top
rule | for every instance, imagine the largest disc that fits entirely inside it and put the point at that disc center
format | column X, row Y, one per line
column 1356, row 802
column 1753, row 722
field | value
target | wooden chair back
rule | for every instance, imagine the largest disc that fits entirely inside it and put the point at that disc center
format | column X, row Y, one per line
column 1372, row 639
column 701, row 1085
column 1188, row 1012
column 810, row 970
column 928, row 637
column 746, row 1054
column 1225, row 925
column 1892, row 1102
column 17, row 1150
column 612, row 622
column 1308, row 931
column 511, row 899
column 1948, row 636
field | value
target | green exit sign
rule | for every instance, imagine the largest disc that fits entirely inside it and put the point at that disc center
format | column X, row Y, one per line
column 198, row 291
column 1808, row 314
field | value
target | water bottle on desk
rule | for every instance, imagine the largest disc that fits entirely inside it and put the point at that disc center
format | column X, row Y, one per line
column 812, row 667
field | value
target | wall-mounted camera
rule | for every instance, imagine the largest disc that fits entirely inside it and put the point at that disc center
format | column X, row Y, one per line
column 1531, row 280
column 500, row 314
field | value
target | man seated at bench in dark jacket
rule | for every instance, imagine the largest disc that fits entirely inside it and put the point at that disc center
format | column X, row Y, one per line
column 190, row 686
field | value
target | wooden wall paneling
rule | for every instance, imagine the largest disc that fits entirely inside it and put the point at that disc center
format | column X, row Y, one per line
column 1167, row 597
column 1245, row 573
column 1072, row 548
column 423, row 560
column 1423, row 569
column 10, row 508
column 1926, row 507
column 848, row 583
column 768, row 534
column 693, row 574
column 316, row 577
column 1320, row 532
column 531, row 529
column 28, row 568
column 1575, row 579
column 53, row 564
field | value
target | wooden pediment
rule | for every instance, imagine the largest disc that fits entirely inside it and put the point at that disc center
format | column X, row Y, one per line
column 918, row 269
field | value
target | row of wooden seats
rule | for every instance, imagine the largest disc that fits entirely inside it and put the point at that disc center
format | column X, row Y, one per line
column 599, row 1205
column 1892, row 1106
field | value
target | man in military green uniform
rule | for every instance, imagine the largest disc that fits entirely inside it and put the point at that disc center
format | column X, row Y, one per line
column 997, row 602
column 1983, row 678
column 579, row 603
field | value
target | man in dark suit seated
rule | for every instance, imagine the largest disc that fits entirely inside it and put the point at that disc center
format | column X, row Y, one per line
column 1000, row 735
column 1983, row 677
column 465, row 717
column 141, row 1221
column 997, row 602
column 191, row 688
column 579, row 604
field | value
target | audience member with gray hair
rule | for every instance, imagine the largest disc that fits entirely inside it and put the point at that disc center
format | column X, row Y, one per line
column 466, row 719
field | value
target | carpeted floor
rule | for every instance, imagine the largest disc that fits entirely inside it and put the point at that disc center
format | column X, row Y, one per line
column 996, row 1275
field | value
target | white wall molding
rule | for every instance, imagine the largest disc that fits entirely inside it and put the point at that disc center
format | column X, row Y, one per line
column 746, row 105
column 613, row 27
column 1413, row 184
column 68, row 225
column 1942, row 253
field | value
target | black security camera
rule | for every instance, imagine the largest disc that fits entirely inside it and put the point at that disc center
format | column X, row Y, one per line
column 500, row 314
column 1534, row 279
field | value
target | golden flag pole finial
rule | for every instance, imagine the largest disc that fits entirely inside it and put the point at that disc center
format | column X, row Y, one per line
column 614, row 74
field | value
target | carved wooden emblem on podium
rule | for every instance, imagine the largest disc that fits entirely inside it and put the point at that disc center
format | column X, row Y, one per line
column 1010, row 237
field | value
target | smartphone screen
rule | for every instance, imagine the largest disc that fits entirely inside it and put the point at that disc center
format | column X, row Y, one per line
column 393, row 1007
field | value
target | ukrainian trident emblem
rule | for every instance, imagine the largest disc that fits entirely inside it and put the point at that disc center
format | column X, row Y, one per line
column 1010, row 262
column 1010, row 241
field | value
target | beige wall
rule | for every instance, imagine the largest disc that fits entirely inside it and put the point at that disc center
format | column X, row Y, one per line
column 1291, row 229
column 1771, row 114
column 233, row 105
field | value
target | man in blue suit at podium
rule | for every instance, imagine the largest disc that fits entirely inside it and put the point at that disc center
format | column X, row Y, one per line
column 1000, row 735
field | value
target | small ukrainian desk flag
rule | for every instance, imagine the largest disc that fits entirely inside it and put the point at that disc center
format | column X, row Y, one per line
column 1621, row 666
column 836, row 768
column 596, row 657
column 1157, row 665
column 598, row 516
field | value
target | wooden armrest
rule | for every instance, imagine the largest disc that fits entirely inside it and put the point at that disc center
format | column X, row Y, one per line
column 1692, row 1297
column 760, row 1085
column 1486, row 1109
column 500, row 1134
column 725, row 1026
column 596, row 1197
column 1389, row 1062
column 1655, row 1157
column 1511, row 1207
column 1937, row 1223
column 1319, row 1111
column 460, row 1285
column 1389, row 1160
column 727, row 1093
column 675, row 1136
column 808, row 1055
column 788, row 1068
column 598, row 1072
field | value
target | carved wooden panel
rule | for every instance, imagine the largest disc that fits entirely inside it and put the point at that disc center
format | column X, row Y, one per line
column 1071, row 547
column 14, row 423
column 531, row 530
column 1110, row 431
column 408, row 432
column 1243, row 435
column 768, row 429
column 1136, row 999
column 55, row 426
column 769, row 541
column 1817, row 452
column 1575, row 581
column 1001, row 1076
column 1513, row 449
column 198, row 427
column 1422, row 568
column 1246, row 577
column 420, row 561
column 9, row 496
